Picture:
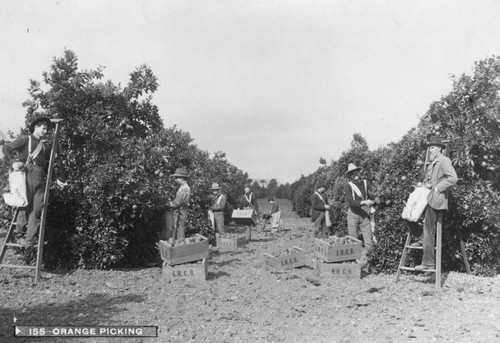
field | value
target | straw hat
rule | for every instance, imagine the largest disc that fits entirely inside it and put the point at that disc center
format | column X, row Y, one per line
column 181, row 172
column 350, row 168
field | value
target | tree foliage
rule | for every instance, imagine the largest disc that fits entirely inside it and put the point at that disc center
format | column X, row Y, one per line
column 469, row 119
column 117, row 157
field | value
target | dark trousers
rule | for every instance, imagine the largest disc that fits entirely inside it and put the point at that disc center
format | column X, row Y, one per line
column 31, row 214
column 320, row 229
column 430, row 224
column 429, row 237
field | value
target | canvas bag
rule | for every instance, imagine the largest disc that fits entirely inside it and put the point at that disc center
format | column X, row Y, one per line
column 17, row 181
column 415, row 205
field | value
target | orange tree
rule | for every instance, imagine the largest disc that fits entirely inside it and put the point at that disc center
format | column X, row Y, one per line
column 117, row 157
column 468, row 117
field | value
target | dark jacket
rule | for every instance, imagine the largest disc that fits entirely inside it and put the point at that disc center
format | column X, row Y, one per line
column 20, row 145
column 252, row 203
column 317, row 205
column 354, row 202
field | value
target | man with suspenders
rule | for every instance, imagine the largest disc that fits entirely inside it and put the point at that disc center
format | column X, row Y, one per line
column 357, row 193
column 32, row 156
column 216, row 210
column 319, row 211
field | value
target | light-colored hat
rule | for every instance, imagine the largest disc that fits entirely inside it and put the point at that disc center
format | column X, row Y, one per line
column 215, row 186
column 351, row 167
column 181, row 172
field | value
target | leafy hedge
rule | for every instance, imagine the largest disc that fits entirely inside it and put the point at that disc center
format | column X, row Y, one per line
column 117, row 157
column 468, row 117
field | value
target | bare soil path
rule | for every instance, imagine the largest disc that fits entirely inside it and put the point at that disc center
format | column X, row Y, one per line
column 244, row 301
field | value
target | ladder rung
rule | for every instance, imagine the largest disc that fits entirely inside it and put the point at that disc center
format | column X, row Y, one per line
column 17, row 266
column 418, row 248
column 17, row 245
column 407, row 268
column 421, row 271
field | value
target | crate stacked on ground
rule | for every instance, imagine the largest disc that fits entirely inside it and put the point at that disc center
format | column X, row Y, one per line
column 231, row 241
column 185, row 259
column 287, row 258
column 336, row 257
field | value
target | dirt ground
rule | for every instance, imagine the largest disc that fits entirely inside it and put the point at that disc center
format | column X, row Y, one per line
column 245, row 301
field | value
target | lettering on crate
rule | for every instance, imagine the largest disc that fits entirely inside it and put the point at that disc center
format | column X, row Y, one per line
column 343, row 252
column 181, row 273
column 289, row 261
column 343, row 271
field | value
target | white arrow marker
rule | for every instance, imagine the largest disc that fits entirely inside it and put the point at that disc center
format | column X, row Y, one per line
column 17, row 331
column 15, row 319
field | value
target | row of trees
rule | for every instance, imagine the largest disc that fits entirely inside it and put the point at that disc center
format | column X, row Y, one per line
column 117, row 157
column 469, row 118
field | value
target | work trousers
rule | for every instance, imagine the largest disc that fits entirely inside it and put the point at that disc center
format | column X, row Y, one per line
column 320, row 229
column 355, row 221
column 31, row 214
column 219, row 221
column 180, row 221
column 429, row 240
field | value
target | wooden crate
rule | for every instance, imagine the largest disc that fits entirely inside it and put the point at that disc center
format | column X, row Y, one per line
column 231, row 243
column 189, row 271
column 244, row 217
column 337, row 253
column 184, row 253
column 296, row 259
column 338, row 270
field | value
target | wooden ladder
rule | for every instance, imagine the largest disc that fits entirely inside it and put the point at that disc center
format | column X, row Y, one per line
column 10, row 233
column 439, row 244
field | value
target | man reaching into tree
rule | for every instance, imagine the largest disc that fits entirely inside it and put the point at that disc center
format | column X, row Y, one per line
column 180, row 203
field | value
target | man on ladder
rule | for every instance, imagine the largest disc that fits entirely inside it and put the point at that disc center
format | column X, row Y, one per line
column 439, row 177
column 33, row 154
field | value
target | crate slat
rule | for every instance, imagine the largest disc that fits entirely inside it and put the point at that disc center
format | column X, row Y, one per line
column 184, row 253
column 289, row 261
column 244, row 217
column 338, row 270
column 337, row 253
column 228, row 244
column 195, row 272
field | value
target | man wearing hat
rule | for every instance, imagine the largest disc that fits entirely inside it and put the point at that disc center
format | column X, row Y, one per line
column 217, row 206
column 33, row 154
column 249, row 200
column 439, row 177
column 357, row 194
column 319, row 208
column 180, row 203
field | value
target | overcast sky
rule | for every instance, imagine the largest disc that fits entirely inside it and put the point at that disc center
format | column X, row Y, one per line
column 276, row 84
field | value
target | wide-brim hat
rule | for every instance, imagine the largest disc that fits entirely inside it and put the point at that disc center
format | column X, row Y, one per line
column 37, row 120
column 270, row 199
column 435, row 140
column 215, row 186
column 352, row 167
column 181, row 172
column 247, row 185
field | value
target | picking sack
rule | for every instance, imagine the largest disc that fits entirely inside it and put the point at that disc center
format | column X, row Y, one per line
column 415, row 205
column 17, row 185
